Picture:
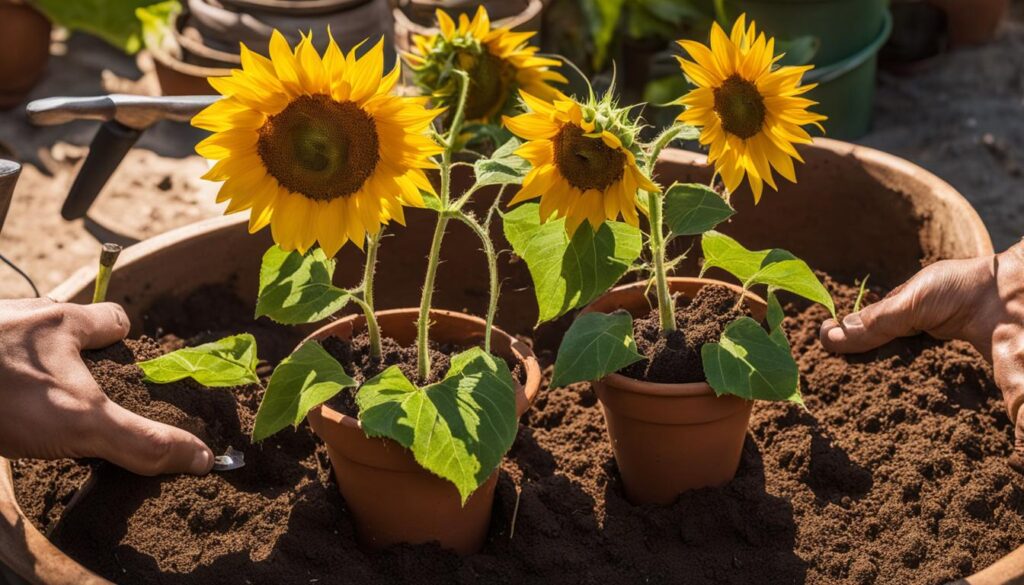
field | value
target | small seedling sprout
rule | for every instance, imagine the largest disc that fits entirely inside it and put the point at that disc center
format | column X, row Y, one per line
column 860, row 294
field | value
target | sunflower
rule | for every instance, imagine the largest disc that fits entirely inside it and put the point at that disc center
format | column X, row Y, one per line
column 750, row 112
column 498, row 62
column 317, row 147
column 584, row 167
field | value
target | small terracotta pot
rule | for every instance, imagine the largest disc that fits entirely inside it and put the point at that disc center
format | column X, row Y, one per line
column 669, row 438
column 393, row 500
column 25, row 46
column 973, row 22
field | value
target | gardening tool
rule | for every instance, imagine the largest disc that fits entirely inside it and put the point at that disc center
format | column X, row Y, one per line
column 125, row 118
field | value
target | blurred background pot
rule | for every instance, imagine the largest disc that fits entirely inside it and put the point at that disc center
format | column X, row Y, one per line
column 392, row 498
column 670, row 438
column 973, row 22
column 24, row 50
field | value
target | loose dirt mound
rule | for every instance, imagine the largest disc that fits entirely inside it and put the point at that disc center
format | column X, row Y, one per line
column 895, row 473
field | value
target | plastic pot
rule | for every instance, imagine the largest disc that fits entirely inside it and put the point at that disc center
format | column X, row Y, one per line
column 973, row 22
column 392, row 499
column 25, row 46
column 670, row 438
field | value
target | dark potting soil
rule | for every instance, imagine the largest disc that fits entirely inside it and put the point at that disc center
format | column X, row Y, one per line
column 895, row 473
column 675, row 358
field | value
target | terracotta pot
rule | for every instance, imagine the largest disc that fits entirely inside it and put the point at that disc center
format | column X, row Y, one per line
column 176, row 77
column 393, row 500
column 973, row 22
column 670, row 438
column 25, row 46
column 417, row 18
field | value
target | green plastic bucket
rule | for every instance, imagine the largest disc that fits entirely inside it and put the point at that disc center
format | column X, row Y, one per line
column 846, row 88
column 840, row 27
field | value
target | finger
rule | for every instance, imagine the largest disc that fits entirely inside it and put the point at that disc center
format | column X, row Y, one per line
column 148, row 447
column 98, row 325
column 1008, row 367
column 874, row 326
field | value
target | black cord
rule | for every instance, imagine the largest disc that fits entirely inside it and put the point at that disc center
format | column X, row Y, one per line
column 21, row 273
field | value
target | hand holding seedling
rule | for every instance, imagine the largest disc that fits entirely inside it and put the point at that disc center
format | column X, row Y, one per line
column 52, row 406
column 980, row 300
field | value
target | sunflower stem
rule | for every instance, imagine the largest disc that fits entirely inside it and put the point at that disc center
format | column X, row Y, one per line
column 369, row 271
column 108, row 257
column 666, row 308
column 423, row 324
column 492, row 269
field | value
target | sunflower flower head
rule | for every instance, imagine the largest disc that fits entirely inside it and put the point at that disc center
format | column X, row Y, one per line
column 316, row 146
column 498, row 61
column 584, row 159
column 750, row 112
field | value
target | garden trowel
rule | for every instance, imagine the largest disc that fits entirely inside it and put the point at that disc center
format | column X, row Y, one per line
column 125, row 118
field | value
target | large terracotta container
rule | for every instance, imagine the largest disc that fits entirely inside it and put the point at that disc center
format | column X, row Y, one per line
column 670, row 438
column 895, row 215
column 394, row 500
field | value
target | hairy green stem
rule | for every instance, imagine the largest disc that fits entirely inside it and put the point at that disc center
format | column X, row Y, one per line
column 666, row 308
column 492, row 269
column 369, row 270
column 423, row 324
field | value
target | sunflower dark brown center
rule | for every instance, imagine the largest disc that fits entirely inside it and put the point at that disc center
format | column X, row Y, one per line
column 320, row 148
column 490, row 83
column 740, row 107
column 587, row 163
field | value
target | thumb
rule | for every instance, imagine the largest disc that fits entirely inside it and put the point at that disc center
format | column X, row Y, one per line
column 148, row 447
column 874, row 326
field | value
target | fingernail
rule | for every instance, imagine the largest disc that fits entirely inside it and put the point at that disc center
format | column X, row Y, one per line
column 836, row 334
column 853, row 320
column 202, row 461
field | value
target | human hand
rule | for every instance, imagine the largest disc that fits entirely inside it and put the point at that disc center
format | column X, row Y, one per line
column 980, row 300
column 51, row 407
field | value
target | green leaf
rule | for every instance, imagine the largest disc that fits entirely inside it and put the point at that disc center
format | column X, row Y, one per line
column 432, row 201
column 504, row 166
column 597, row 344
column 693, row 209
column 569, row 273
column 776, row 268
column 749, row 363
column 458, row 428
column 114, row 21
column 302, row 381
column 296, row 288
column 221, row 364
column 798, row 50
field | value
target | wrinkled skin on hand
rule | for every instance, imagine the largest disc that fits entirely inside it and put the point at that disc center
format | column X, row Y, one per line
column 980, row 300
column 51, row 407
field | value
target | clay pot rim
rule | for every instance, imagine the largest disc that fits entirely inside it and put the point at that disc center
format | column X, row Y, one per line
column 291, row 7
column 661, row 389
column 165, row 58
column 522, row 351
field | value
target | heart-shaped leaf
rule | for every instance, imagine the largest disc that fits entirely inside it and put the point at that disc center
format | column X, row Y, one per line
column 749, row 363
column 221, row 364
column 302, row 381
column 458, row 428
column 597, row 344
column 776, row 268
column 503, row 167
column 693, row 209
column 569, row 273
column 297, row 288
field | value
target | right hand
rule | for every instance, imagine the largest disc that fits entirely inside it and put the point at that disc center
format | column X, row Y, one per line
column 51, row 407
column 980, row 300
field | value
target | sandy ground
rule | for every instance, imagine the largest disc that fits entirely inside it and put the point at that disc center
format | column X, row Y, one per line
column 962, row 118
